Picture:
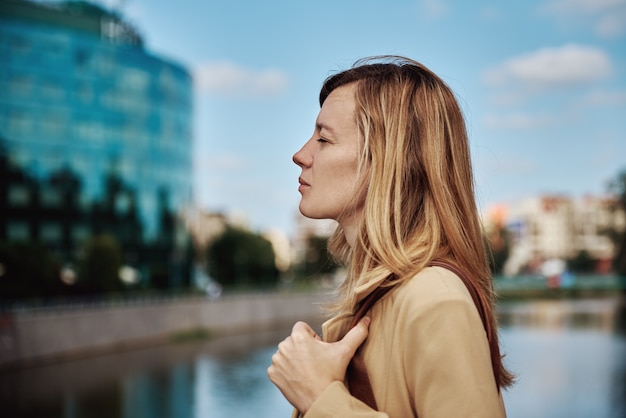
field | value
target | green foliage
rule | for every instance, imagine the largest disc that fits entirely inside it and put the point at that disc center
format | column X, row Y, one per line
column 618, row 187
column 242, row 258
column 498, row 243
column 191, row 335
column 316, row 260
column 100, row 265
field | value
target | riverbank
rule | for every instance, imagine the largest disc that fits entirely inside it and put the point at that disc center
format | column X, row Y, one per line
column 566, row 287
column 42, row 336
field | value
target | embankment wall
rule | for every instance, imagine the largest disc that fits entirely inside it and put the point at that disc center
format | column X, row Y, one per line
column 41, row 336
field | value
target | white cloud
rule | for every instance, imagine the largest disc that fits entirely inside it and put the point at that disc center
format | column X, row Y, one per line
column 607, row 17
column 550, row 68
column 604, row 98
column 228, row 79
column 612, row 26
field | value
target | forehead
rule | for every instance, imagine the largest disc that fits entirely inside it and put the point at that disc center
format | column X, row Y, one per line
column 338, row 109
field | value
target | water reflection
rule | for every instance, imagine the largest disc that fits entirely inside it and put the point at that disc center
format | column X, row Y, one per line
column 225, row 377
column 570, row 356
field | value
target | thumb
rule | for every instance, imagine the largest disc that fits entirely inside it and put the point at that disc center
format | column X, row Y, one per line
column 355, row 337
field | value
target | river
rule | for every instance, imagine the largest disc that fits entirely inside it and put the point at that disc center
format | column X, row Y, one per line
column 569, row 355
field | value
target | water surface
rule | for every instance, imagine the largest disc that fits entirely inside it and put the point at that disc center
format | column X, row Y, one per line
column 570, row 358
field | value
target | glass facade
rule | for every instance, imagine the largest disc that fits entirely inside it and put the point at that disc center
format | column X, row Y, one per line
column 95, row 132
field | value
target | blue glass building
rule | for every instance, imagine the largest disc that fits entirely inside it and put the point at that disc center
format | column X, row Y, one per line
column 95, row 133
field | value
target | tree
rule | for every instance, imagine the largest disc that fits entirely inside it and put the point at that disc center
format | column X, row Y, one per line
column 618, row 187
column 29, row 270
column 498, row 244
column 240, row 257
column 100, row 265
column 317, row 260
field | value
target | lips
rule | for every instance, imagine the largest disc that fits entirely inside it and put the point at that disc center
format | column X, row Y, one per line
column 303, row 184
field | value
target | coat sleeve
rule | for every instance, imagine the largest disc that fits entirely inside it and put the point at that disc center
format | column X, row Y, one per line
column 336, row 401
column 448, row 364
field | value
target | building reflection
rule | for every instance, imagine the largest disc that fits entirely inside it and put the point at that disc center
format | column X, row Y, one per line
column 165, row 381
column 600, row 314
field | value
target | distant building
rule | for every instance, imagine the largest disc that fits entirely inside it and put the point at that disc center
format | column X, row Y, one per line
column 282, row 249
column 307, row 228
column 559, row 228
column 95, row 134
column 205, row 227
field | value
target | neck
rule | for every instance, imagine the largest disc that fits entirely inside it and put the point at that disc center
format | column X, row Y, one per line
column 350, row 235
column 350, row 228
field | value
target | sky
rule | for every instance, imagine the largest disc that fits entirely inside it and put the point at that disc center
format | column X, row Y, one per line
column 542, row 84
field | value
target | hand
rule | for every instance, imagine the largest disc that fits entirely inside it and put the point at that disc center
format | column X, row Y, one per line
column 304, row 365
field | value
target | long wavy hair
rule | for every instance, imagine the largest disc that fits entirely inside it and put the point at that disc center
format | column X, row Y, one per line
column 419, row 199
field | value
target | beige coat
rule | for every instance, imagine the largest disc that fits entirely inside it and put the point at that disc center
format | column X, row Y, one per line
column 426, row 354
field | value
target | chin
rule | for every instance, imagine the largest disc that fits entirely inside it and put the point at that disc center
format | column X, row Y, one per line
column 310, row 213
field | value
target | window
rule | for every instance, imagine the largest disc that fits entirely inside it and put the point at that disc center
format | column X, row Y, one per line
column 53, row 49
column 18, row 231
column 105, row 64
column 20, row 122
column 19, row 44
column 53, row 124
column 18, row 195
column 51, row 232
column 133, row 79
column 84, row 92
column 21, row 85
column 53, row 90
column 79, row 233
column 89, row 130
column 122, row 203
column 51, row 198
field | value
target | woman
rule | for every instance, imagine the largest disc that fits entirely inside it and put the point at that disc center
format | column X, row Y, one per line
column 389, row 161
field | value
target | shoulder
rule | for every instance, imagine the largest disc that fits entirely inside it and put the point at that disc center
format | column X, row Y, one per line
column 433, row 282
column 432, row 289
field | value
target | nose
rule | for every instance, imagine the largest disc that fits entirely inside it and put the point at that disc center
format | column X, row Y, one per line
column 302, row 158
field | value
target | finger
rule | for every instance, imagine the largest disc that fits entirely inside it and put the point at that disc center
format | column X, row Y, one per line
column 282, row 346
column 355, row 337
column 303, row 327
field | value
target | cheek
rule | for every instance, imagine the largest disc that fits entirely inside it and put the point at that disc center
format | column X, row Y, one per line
column 344, row 165
column 346, row 183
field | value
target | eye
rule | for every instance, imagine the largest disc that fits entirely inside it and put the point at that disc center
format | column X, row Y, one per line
column 321, row 140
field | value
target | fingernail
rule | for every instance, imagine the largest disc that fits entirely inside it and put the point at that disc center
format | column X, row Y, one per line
column 366, row 320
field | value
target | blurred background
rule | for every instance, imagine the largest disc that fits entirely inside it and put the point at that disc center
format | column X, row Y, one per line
column 151, row 250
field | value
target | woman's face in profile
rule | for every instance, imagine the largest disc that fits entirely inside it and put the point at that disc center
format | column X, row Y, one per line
column 329, row 160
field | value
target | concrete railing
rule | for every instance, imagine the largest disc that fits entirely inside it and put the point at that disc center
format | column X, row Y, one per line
column 28, row 337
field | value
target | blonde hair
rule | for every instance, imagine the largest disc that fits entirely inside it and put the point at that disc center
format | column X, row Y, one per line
column 419, row 203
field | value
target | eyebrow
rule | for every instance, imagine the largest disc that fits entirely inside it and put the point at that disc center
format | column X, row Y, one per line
column 319, row 126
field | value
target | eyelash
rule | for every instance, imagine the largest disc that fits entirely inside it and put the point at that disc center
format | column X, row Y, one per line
column 321, row 140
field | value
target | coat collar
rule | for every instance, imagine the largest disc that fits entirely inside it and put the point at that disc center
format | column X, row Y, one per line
column 335, row 328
